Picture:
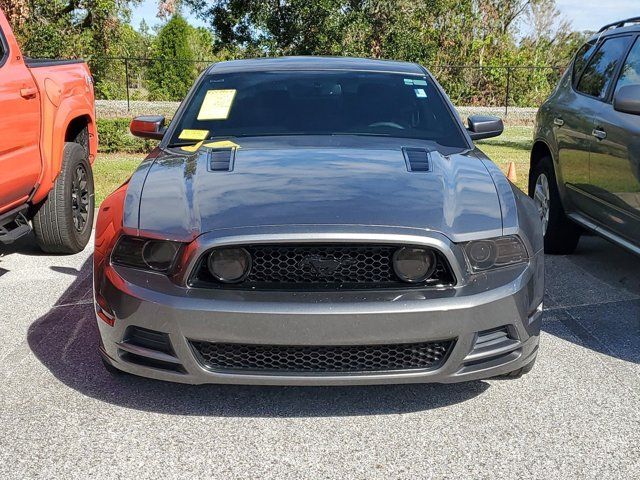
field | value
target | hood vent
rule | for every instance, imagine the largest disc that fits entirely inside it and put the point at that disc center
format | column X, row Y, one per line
column 221, row 160
column 417, row 159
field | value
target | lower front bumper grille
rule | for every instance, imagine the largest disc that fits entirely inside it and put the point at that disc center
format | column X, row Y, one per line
column 322, row 359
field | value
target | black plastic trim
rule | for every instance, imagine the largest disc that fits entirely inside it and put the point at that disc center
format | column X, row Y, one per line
column 49, row 62
column 5, row 48
column 150, row 362
column 416, row 164
column 619, row 24
column 221, row 159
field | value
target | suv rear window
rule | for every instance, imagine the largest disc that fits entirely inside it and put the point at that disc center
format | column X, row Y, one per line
column 582, row 57
column 242, row 104
column 602, row 67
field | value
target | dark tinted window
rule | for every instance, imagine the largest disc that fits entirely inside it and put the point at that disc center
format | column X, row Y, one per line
column 599, row 73
column 318, row 103
column 630, row 74
column 2, row 49
column 582, row 57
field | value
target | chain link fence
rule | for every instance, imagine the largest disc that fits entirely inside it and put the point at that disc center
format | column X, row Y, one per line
column 129, row 86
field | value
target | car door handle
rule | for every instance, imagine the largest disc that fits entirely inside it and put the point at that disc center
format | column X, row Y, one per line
column 28, row 92
column 558, row 121
column 599, row 134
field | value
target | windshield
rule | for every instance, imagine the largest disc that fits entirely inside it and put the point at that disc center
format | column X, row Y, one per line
column 317, row 103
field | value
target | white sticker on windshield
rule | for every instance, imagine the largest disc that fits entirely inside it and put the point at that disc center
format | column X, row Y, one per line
column 411, row 81
column 216, row 105
column 420, row 93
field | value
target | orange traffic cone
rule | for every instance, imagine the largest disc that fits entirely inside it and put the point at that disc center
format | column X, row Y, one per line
column 511, row 173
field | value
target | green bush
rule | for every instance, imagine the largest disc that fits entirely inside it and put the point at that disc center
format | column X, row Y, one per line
column 110, row 90
column 114, row 137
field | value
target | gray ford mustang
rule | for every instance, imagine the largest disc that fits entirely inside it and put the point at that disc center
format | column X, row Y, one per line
column 318, row 221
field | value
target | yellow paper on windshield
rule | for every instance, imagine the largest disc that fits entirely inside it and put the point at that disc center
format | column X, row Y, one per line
column 192, row 148
column 187, row 134
column 222, row 144
column 216, row 105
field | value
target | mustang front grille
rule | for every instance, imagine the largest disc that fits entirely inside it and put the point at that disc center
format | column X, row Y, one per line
column 322, row 359
column 322, row 267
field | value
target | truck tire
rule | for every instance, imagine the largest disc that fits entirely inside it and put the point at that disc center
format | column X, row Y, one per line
column 64, row 220
column 561, row 235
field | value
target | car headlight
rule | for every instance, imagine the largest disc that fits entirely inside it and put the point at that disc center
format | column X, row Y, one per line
column 414, row 264
column 495, row 253
column 156, row 255
column 229, row 265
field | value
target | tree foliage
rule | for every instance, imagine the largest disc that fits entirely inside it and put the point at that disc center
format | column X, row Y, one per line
column 90, row 29
column 442, row 34
column 173, row 70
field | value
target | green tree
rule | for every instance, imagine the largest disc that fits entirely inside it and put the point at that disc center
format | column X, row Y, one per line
column 172, row 70
column 70, row 28
column 124, row 60
column 442, row 34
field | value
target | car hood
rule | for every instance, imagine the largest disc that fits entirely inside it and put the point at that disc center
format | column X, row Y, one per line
column 277, row 181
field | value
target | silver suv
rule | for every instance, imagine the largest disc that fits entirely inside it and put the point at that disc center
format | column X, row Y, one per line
column 585, row 162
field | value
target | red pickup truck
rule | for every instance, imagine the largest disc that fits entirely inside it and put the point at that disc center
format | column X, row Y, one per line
column 48, row 143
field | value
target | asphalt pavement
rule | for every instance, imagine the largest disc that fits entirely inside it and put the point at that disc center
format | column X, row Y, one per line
column 576, row 415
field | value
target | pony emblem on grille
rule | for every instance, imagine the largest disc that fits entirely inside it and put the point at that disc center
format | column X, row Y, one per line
column 325, row 265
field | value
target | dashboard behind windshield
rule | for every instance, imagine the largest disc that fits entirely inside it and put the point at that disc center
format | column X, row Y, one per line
column 318, row 103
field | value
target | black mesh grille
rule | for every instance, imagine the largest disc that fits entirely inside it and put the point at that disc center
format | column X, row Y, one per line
column 151, row 339
column 324, row 267
column 322, row 359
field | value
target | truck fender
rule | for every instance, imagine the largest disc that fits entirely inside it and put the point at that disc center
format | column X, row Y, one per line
column 54, row 137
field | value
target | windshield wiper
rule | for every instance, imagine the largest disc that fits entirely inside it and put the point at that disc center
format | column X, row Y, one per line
column 190, row 143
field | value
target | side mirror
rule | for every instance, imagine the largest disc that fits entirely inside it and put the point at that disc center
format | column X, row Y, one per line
column 148, row 126
column 483, row 126
column 627, row 99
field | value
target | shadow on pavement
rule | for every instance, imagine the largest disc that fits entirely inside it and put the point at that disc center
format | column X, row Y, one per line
column 66, row 339
column 25, row 245
column 594, row 296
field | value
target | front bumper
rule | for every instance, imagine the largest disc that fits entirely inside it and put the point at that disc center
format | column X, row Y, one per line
column 509, row 298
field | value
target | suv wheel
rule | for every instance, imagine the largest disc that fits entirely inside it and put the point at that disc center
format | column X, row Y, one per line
column 561, row 235
column 64, row 220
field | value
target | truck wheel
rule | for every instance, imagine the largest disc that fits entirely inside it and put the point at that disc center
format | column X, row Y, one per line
column 64, row 220
column 561, row 235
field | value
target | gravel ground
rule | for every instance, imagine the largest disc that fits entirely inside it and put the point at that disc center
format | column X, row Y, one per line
column 118, row 109
column 577, row 415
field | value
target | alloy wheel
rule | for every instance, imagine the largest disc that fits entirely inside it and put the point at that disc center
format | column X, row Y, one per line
column 80, row 198
column 542, row 199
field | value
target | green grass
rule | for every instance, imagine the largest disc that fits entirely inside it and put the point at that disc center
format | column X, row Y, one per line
column 514, row 145
column 112, row 169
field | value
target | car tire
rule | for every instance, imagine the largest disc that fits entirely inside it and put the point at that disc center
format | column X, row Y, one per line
column 520, row 371
column 561, row 235
column 64, row 220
